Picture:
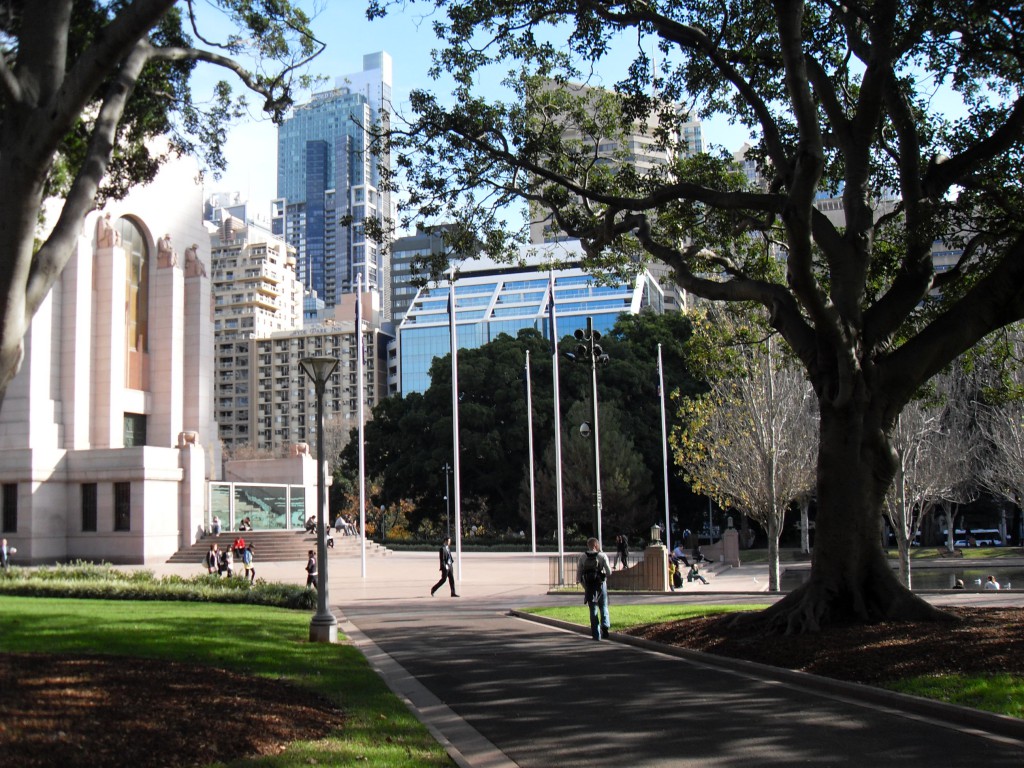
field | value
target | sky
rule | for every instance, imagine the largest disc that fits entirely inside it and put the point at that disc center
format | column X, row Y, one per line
column 251, row 150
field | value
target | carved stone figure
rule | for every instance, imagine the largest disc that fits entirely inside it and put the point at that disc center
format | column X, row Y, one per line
column 106, row 235
column 165, row 253
column 193, row 266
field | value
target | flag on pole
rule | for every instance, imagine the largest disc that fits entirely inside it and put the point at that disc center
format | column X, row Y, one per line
column 455, row 427
column 558, row 429
column 551, row 315
column 360, row 419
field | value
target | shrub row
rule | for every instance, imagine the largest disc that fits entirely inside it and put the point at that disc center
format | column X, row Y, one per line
column 105, row 582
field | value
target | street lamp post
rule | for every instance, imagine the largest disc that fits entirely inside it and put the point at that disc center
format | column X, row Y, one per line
column 589, row 348
column 323, row 628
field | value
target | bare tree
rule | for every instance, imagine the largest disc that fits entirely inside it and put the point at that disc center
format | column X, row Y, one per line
column 933, row 448
column 1001, row 421
column 751, row 443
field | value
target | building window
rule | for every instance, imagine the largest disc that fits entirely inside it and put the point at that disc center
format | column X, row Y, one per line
column 136, row 252
column 122, row 506
column 10, row 508
column 134, row 430
column 88, row 506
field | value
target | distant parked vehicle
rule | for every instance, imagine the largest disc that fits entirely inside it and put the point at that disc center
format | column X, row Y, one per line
column 978, row 537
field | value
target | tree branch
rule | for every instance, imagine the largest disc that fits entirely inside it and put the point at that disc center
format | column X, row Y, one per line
column 52, row 121
column 52, row 256
column 10, row 89
column 941, row 176
column 994, row 301
column 694, row 39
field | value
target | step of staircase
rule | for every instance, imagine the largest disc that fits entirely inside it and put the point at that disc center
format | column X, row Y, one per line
column 275, row 546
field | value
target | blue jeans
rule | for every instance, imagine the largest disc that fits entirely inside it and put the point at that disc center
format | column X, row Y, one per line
column 599, row 613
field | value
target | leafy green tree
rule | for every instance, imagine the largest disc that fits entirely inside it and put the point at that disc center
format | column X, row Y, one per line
column 840, row 97
column 85, row 86
column 627, row 491
column 630, row 380
column 408, row 440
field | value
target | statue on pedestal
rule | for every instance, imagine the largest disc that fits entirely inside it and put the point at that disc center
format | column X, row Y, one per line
column 193, row 266
column 165, row 253
column 106, row 235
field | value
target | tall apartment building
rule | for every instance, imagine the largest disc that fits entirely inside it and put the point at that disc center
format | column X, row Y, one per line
column 255, row 293
column 405, row 252
column 283, row 412
column 327, row 175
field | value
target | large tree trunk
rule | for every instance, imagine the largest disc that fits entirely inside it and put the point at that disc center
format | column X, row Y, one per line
column 850, row 577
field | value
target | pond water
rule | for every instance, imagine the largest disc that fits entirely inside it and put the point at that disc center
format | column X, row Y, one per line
column 932, row 578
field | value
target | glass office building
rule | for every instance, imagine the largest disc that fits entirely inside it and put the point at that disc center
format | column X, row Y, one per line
column 326, row 173
column 492, row 298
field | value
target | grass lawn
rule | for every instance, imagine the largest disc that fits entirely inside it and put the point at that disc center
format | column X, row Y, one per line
column 249, row 639
column 626, row 616
column 1002, row 694
column 968, row 553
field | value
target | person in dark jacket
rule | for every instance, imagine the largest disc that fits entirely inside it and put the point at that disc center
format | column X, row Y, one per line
column 447, row 568
column 311, row 570
column 621, row 551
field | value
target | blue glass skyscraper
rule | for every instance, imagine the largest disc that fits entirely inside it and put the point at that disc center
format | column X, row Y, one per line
column 327, row 175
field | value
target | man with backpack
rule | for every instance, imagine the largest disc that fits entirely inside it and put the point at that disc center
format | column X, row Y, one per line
column 592, row 571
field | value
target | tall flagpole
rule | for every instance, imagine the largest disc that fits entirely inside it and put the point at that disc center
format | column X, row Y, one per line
column 361, row 420
column 455, row 426
column 558, row 431
column 664, row 447
column 529, row 432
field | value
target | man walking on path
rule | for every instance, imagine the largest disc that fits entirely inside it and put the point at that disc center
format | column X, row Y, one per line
column 447, row 574
column 592, row 571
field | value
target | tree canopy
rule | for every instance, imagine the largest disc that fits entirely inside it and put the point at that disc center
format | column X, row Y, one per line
column 843, row 99
column 85, row 88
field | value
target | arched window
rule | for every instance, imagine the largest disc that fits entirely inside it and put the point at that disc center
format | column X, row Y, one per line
column 136, row 253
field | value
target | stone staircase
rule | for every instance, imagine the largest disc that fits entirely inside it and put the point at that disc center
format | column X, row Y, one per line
column 276, row 546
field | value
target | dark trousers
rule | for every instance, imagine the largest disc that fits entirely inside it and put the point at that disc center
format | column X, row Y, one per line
column 446, row 575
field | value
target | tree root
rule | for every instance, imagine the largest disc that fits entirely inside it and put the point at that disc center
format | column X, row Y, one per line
column 816, row 605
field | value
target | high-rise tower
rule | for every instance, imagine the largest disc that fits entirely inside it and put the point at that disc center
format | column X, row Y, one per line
column 328, row 183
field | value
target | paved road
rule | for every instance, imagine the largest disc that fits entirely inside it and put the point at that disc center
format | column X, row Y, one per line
column 500, row 691
column 548, row 697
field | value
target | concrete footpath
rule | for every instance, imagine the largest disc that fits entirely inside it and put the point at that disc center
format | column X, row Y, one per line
column 499, row 690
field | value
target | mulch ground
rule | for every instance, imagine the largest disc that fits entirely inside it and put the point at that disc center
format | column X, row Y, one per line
column 73, row 711
column 983, row 641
